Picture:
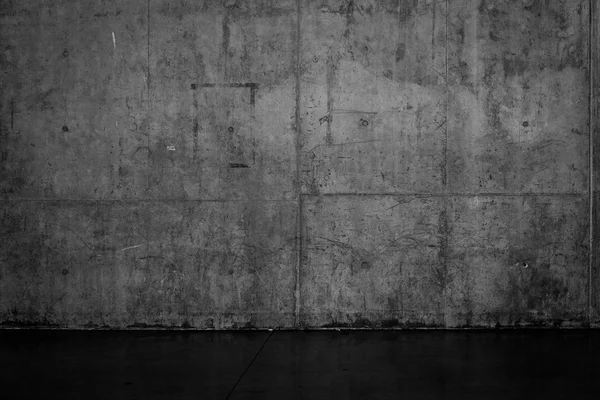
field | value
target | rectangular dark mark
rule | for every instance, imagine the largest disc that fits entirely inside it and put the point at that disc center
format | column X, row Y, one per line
column 238, row 165
column 252, row 94
column 195, row 130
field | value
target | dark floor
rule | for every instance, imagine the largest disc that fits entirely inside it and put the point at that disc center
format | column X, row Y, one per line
column 528, row 364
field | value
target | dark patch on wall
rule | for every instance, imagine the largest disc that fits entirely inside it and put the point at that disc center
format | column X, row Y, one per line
column 186, row 325
column 534, row 287
column 389, row 323
column 493, row 110
column 400, row 51
column 238, row 165
column 226, row 34
column 514, row 64
column 14, row 8
column 406, row 8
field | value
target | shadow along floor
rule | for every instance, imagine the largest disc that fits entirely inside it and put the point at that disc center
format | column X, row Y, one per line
column 503, row 364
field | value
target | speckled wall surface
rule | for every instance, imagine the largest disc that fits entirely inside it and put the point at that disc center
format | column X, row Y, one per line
column 296, row 164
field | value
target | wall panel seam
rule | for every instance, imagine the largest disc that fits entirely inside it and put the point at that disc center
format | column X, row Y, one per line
column 300, row 211
column 591, row 126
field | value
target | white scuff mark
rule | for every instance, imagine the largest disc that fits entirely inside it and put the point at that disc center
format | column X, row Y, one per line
column 117, row 123
column 131, row 247
column 114, row 41
column 171, row 148
column 144, row 76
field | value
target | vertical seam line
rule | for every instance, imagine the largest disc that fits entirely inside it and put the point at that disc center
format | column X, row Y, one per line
column 148, row 104
column 591, row 54
column 445, row 198
column 299, row 218
column 446, row 106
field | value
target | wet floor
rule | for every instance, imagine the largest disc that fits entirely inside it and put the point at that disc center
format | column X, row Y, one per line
column 529, row 364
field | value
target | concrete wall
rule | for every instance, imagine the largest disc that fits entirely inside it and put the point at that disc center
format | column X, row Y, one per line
column 250, row 164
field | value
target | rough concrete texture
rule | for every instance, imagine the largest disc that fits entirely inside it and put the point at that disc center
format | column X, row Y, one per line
column 252, row 164
column 595, row 161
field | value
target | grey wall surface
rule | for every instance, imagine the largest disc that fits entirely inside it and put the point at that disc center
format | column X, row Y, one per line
column 291, row 164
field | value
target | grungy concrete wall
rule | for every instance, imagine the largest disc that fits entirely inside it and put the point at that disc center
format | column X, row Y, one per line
column 292, row 164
